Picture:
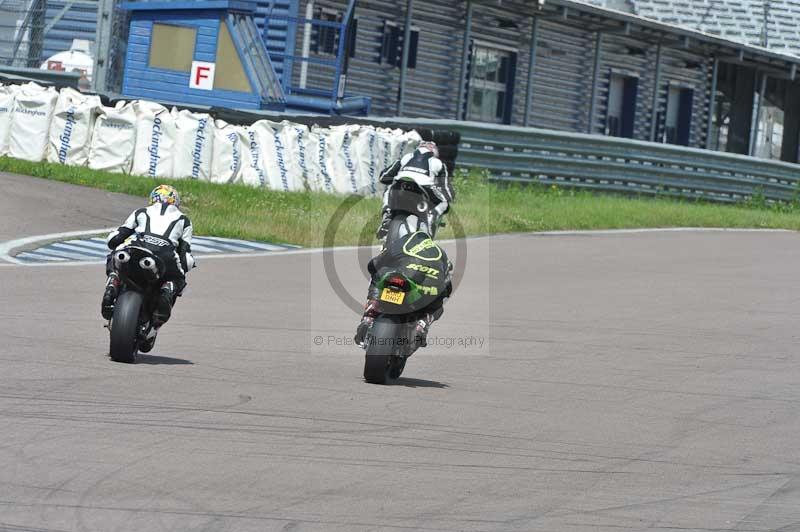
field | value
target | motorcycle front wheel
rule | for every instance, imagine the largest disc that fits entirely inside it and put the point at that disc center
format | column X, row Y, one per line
column 401, row 225
column 124, row 327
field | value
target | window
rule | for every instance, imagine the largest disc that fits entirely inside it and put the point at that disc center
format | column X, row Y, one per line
column 230, row 74
column 172, row 47
column 352, row 31
column 678, row 126
column 392, row 45
column 324, row 37
column 491, row 84
column 621, row 110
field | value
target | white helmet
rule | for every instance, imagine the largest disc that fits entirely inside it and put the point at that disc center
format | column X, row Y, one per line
column 430, row 146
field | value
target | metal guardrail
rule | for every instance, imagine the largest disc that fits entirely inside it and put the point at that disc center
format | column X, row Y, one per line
column 610, row 164
column 44, row 77
column 591, row 162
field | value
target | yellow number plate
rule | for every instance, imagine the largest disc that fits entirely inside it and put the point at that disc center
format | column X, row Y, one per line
column 393, row 297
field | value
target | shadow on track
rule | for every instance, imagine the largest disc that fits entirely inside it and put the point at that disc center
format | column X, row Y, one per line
column 419, row 383
column 155, row 359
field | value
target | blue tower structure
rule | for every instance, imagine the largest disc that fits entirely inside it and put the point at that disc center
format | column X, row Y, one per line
column 203, row 52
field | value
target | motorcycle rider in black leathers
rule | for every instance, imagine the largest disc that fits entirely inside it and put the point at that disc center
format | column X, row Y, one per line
column 430, row 173
column 162, row 221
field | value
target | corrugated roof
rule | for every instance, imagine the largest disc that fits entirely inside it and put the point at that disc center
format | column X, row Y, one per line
column 643, row 26
column 742, row 21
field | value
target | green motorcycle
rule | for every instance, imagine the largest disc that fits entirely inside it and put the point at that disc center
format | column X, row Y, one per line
column 410, row 277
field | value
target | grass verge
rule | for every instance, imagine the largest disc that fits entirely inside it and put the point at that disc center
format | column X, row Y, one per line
column 302, row 218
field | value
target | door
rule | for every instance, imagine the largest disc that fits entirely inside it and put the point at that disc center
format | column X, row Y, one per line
column 678, row 127
column 491, row 84
column 621, row 112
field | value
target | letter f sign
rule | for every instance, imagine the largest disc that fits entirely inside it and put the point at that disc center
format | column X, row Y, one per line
column 202, row 75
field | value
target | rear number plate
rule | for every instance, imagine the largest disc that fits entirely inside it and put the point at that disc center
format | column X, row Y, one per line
column 392, row 296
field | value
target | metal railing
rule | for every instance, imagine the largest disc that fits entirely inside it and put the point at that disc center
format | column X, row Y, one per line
column 22, row 25
column 595, row 162
column 576, row 160
column 325, row 50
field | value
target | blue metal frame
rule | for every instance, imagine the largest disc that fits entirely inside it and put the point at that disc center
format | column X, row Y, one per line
column 291, row 35
column 264, row 80
column 336, row 95
column 312, row 60
column 291, row 57
column 246, row 6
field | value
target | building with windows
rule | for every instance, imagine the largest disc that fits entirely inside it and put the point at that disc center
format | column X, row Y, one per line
column 598, row 67
column 566, row 65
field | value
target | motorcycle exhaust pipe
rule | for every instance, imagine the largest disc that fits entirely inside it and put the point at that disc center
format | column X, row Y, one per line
column 149, row 264
column 121, row 257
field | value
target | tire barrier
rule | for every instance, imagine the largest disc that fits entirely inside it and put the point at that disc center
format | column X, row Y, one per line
column 148, row 139
column 447, row 138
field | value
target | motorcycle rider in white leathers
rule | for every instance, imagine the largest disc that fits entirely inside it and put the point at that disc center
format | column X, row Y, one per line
column 429, row 172
column 163, row 220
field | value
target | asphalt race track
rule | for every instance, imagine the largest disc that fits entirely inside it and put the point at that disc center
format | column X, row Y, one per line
column 624, row 382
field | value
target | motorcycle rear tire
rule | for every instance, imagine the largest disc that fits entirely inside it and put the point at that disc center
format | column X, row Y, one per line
column 124, row 327
column 381, row 364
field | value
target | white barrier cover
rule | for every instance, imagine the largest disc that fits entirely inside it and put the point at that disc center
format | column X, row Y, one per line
column 194, row 145
column 253, row 172
column 386, row 138
column 295, row 138
column 368, row 155
column 144, row 138
column 155, row 140
column 314, row 179
column 273, row 154
column 398, row 144
column 114, row 139
column 71, row 129
column 279, row 148
column 318, row 165
column 403, row 142
column 286, row 141
column 229, row 145
column 342, row 160
column 7, row 97
column 30, row 124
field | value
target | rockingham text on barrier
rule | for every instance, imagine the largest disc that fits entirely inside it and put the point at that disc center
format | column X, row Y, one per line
column 145, row 138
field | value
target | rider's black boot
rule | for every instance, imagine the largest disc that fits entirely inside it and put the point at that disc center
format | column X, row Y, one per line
column 164, row 307
column 383, row 229
column 370, row 311
column 110, row 296
column 149, row 342
column 422, row 328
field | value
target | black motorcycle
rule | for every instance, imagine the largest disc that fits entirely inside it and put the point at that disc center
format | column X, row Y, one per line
column 141, row 272
column 410, row 275
column 411, row 210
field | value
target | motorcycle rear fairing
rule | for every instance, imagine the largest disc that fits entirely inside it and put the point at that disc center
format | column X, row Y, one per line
column 410, row 276
column 141, row 271
column 410, row 205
